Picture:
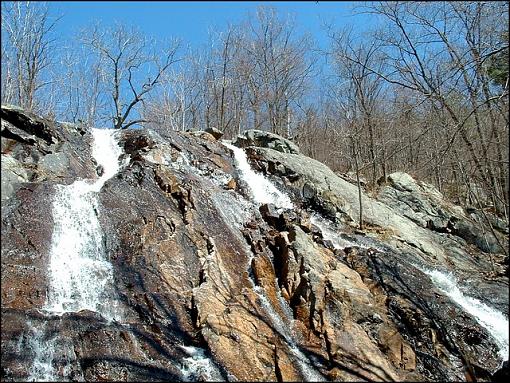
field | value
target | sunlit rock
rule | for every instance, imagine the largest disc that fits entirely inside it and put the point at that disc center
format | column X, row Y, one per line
column 190, row 259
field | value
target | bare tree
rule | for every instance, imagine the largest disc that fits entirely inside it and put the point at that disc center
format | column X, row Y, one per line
column 223, row 85
column 367, row 89
column 437, row 51
column 252, row 74
column 80, row 85
column 131, row 69
column 282, row 65
column 26, row 51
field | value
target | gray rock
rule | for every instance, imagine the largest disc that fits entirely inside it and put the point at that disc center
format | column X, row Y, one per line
column 202, row 134
column 48, row 149
column 56, row 164
column 425, row 205
column 309, row 191
column 475, row 235
column 482, row 217
column 30, row 123
column 269, row 213
column 333, row 191
column 264, row 139
column 13, row 173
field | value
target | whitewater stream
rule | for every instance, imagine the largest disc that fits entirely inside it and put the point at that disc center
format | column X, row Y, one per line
column 198, row 366
column 264, row 191
column 341, row 240
column 80, row 274
column 492, row 320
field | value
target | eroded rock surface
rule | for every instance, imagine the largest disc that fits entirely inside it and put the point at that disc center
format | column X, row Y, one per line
column 425, row 205
column 215, row 287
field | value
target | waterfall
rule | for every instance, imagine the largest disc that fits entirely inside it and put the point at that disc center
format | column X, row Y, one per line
column 495, row 322
column 44, row 351
column 80, row 275
column 52, row 353
column 262, row 190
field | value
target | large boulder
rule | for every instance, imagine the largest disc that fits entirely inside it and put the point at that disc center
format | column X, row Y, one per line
column 265, row 139
column 13, row 173
column 216, row 133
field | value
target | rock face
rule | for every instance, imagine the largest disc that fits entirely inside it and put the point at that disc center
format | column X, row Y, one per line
column 263, row 139
column 424, row 205
column 215, row 287
column 35, row 150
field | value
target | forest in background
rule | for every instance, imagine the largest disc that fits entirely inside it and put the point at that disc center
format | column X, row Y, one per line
column 425, row 91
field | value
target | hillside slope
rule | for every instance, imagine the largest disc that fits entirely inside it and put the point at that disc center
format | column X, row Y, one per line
column 137, row 255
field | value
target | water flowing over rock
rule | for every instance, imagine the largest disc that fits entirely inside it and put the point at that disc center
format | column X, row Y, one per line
column 262, row 190
column 170, row 256
column 495, row 322
column 80, row 273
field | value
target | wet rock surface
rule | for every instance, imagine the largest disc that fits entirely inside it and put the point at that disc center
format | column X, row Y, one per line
column 323, row 191
column 214, row 287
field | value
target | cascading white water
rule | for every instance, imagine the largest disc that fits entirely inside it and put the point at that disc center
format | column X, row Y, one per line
column 495, row 322
column 262, row 190
column 41, row 369
column 199, row 366
column 51, row 354
column 80, row 275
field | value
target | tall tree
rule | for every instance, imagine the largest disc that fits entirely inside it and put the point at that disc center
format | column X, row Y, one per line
column 367, row 89
column 437, row 52
column 282, row 65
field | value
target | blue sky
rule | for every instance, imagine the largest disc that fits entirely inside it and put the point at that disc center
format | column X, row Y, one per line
column 191, row 21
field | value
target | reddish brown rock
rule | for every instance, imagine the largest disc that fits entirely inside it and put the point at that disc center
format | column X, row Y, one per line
column 256, row 295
